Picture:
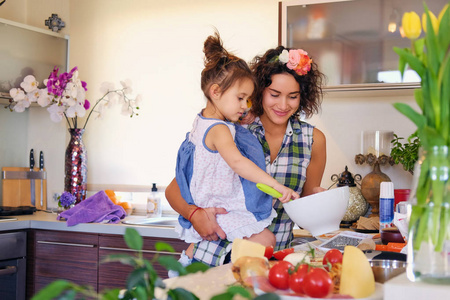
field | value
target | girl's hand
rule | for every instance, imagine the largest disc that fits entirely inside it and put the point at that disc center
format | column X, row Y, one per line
column 204, row 221
column 248, row 118
column 288, row 194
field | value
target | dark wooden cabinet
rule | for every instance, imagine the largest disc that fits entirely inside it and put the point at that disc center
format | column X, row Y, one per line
column 62, row 255
column 77, row 257
column 114, row 274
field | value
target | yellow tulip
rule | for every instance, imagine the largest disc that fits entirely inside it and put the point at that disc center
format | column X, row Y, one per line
column 434, row 22
column 411, row 25
column 441, row 14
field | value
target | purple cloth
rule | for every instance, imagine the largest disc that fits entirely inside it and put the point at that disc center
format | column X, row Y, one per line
column 95, row 209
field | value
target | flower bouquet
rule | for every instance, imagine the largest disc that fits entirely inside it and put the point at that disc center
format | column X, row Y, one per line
column 429, row 223
column 65, row 98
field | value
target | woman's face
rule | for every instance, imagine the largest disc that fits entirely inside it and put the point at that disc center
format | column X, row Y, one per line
column 281, row 99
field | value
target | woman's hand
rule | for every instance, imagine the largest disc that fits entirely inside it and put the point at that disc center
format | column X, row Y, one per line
column 318, row 189
column 205, row 223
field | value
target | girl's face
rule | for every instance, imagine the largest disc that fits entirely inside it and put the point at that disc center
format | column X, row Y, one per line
column 281, row 99
column 232, row 104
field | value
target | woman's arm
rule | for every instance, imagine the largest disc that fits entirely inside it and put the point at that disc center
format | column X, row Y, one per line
column 314, row 172
column 203, row 220
column 219, row 138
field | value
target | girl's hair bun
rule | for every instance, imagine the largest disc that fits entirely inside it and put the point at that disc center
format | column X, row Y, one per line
column 221, row 67
column 214, row 50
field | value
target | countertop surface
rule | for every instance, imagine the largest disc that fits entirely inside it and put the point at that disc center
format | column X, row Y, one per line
column 48, row 221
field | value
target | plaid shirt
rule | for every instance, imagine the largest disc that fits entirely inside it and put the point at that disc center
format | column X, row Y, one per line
column 289, row 168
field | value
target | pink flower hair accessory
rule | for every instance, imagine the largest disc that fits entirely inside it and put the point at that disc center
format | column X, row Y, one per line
column 295, row 59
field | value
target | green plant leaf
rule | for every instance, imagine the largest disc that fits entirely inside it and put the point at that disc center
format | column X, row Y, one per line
column 411, row 114
column 151, row 271
column 418, row 95
column 418, row 45
column 136, row 278
column 69, row 295
column 411, row 60
column 433, row 137
column 406, row 154
column 401, row 66
column 140, row 293
column 170, row 263
column 239, row 290
column 434, row 94
column 196, row 267
column 125, row 259
column 112, row 294
column 161, row 246
column 232, row 291
column 53, row 290
column 444, row 82
column 427, row 109
column 434, row 56
column 444, row 31
column 133, row 239
column 268, row 296
column 181, row 294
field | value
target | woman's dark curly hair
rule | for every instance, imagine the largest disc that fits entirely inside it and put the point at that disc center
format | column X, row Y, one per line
column 221, row 67
column 265, row 66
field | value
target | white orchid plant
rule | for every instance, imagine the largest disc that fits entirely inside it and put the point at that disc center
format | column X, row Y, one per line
column 64, row 96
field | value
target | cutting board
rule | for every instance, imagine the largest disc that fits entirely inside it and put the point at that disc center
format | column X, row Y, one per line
column 17, row 192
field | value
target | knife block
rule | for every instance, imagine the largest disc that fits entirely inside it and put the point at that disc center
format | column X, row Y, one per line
column 16, row 187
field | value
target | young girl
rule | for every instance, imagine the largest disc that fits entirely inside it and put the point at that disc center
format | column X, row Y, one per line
column 209, row 163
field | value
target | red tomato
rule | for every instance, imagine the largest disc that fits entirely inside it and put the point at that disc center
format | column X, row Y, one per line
column 317, row 283
column 269, row 252
column 280, row 255
column 332, row 256
column 279, row 274
column 296, row 279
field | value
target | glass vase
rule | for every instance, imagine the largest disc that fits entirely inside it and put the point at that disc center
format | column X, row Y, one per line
column 429, row 218
column 75, row 180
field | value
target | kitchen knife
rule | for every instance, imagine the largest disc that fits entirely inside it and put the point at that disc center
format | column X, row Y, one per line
column 32, row 188
column 41, row 169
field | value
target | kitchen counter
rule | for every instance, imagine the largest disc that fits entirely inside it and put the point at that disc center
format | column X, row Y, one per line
column 48, row 221
column 396, row 288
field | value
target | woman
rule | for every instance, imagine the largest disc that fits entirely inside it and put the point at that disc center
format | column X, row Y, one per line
column 287, row 83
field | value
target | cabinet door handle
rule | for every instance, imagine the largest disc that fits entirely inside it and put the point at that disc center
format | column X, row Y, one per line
column 66, row 244
column 8, row 270
column 143, row 251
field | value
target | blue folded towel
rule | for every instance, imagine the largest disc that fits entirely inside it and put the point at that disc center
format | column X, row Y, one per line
column 95, row 209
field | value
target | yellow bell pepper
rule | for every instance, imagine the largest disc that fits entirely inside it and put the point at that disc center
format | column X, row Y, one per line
column 434, row 22
column 411, row 25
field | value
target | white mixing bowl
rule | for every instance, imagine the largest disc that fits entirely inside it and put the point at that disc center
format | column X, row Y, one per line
column 319, row 213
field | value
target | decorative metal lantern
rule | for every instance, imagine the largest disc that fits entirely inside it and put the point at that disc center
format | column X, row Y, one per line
column 357, row 205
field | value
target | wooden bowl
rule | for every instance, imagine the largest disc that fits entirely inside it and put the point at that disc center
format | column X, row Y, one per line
column 391, row 235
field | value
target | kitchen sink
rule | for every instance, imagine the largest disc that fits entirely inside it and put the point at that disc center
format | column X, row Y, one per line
column 144, row 221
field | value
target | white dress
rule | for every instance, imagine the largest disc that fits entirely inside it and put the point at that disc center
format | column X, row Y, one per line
column 215, row 184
